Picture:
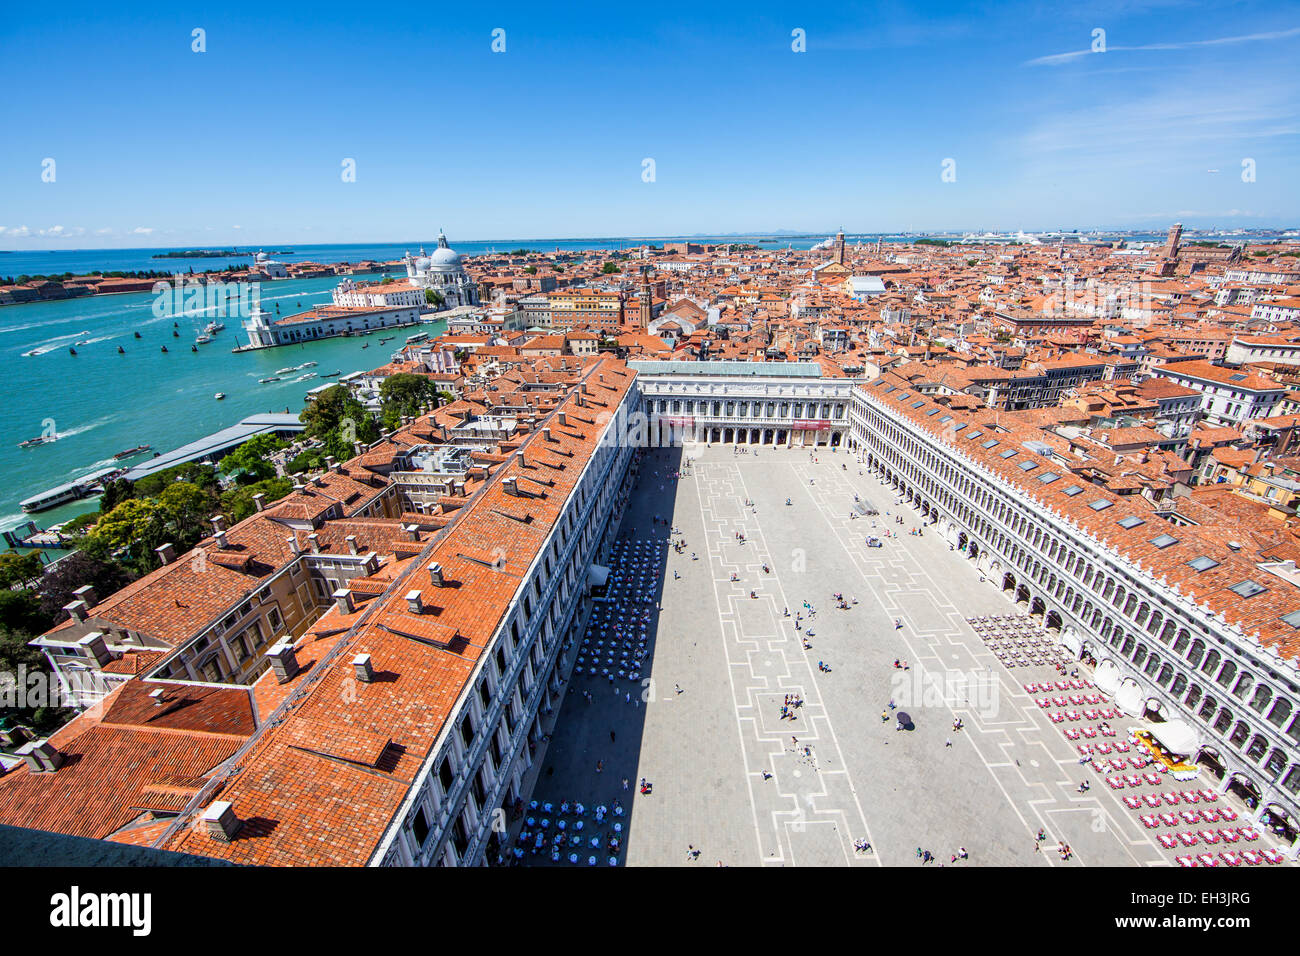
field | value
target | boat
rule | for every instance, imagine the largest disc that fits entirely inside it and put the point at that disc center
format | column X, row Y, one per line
column 304, row 377
column 131, row 452
column 334, row 374
column 203, row 340
column 137, row 335
column 71, row 350
column 263, row 381
column 219, row 396
column 286, row 371
column 164, row 348
column 214, row 327
column 417, row 337
column 307, row 365
column 38, row 440
column 71, row 491
column 176, row 334
column 120, row 350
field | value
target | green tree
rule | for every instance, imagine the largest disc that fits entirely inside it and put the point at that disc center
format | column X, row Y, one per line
column 21, row 611
column 115, row 492
column 186, row 508
column 77, row 570
column 609, row 267
column 134, row 528
column 15, row 651
column 313, row 459
column 20, row 570
column 238, row 504
column 434, row 298
column 202, row 476
column 531, row 270
column 249, row 462
column 405, row 392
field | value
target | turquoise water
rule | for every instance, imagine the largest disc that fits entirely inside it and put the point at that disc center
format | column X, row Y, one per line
column 102, row 402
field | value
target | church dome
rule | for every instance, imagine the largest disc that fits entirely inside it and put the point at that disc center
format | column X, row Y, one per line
column 445, row 259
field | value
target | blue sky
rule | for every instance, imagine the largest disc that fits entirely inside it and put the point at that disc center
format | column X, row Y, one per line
column 154, row 144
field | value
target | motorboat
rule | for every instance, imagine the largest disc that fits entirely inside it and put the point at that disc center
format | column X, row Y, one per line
column 38, row 440
column 131, row 452
column 263, row 381
column 219, row 396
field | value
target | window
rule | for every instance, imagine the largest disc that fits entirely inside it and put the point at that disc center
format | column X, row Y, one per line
column 975, row 434
column 1047, row 477
column 991, row 443
column 445, row 775
column 274, row 619
column 1008, row 453
column 1164, row 540
column 1072, row 491
column 1132, row 521
column 1247, row 588
column 1027, row 466
column 1293, row 618
column 1101, row 504
column 420, row 827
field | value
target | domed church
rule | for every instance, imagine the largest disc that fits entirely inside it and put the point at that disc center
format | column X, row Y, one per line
column 443, row 273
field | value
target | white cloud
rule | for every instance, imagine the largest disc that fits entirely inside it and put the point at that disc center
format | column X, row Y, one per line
column 1056, row 59
column 141, row 230
column 18, row 232
column 1157, row 126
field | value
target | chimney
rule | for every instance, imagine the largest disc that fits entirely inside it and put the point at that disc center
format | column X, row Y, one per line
column 259, row 501
column 284, row 660
column 343, row 601
column 546, row 434
column 313, row 541
column 415, row 602
column 218, row 523
column 411, row 531
column 221, row 539
column 93, row 646
column 562, row 420
column 331, row 462
column 362, row 669
column 41, row 756
column 358, row 449
column 352, row 544
column 318, row 480
column 219, row 821
column 166, row 553
column 86, row 593
column 511, row 486
column 435, row 574
column 157, row 697
column 76, row 610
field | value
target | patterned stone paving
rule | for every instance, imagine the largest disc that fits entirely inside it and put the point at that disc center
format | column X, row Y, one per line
column 740, row 785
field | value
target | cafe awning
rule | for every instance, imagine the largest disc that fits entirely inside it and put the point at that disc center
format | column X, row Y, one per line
column 597, row 575
column 1131, row 699
column 1071, row 642
column 1107, row 677
column 1177, row 736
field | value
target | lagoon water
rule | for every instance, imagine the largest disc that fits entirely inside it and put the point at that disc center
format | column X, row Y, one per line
column 101, row 402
